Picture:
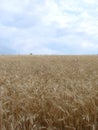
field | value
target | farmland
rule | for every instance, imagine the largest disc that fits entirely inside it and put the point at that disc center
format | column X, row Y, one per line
column 49, row 92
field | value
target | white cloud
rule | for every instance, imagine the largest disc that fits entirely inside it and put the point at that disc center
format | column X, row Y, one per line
column 90, row 1
column 45, row 50
column 88, row 24
column 87, row 44
column 6, row 31
column 47, row 26
column 71, row 5
column 14, row 6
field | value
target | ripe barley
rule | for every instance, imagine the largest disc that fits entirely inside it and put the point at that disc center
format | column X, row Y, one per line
column 49, row 92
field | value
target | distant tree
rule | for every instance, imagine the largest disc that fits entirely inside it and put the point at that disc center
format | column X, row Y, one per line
column 30, row 53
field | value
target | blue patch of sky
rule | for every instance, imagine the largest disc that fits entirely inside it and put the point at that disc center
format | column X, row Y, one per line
column 5, row 47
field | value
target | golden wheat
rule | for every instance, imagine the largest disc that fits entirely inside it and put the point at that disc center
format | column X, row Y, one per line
column 49, row 92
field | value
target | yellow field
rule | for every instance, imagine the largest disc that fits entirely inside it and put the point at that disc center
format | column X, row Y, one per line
column 49, row 92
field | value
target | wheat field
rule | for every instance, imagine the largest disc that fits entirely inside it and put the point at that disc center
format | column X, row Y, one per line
column 49, row 92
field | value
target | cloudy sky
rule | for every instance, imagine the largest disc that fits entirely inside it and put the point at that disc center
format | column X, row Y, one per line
column 49, row 26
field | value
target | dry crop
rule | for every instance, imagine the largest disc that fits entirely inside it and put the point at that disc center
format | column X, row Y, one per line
column 49, row 92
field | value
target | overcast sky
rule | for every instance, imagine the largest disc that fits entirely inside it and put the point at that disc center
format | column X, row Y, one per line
column 49, row 26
